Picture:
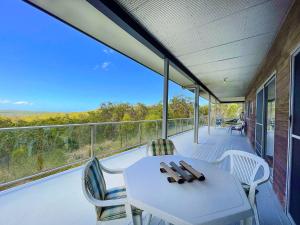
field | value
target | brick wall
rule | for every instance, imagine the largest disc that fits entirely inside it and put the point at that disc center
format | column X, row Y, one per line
column 278, row 59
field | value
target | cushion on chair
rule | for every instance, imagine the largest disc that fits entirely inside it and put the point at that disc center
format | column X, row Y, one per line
column 94, row 180
column 116, row 212
column 115, row 193
column 161, row 147
column 95, row 183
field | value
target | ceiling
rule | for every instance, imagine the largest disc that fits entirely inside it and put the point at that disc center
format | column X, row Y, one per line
column 214, row 39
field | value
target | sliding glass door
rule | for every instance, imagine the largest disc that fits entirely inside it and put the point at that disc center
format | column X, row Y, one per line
column 265, row 122
column 294, row 159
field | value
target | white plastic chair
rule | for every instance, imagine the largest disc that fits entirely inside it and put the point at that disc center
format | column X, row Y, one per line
column 162, row 147
column 245, row 167
column 101, row 203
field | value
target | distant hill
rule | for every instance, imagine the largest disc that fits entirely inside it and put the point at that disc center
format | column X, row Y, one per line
column 19, row 113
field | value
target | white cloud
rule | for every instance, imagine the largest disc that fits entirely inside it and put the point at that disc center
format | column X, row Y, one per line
column 105, row 65
column 22, row 103
column 108, row 51
column 6, row 101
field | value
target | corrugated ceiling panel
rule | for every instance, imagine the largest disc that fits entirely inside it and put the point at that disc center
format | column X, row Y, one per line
column 214, row 39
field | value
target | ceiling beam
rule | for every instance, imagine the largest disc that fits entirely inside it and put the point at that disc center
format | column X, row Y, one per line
column 229, row 102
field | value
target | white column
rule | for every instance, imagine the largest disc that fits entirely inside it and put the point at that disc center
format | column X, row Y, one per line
column 165, row 100
column 196, row 114
column 209, row 112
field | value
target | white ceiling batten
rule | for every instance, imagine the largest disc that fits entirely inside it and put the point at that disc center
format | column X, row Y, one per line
column 214, row 39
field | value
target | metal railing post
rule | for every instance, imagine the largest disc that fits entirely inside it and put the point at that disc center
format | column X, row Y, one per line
column 156, row 127
column 164, row 133
column 209, row 112
column 93, row 139
column 196, row 115
column 181, row 125
column 140, row 133
column 120, row 133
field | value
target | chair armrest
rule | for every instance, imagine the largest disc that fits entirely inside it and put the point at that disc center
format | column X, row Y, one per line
column 220, row 159
column 111, row 171
column 264, row 179
column 176, row 152
column 106, row 203
column 253, row 186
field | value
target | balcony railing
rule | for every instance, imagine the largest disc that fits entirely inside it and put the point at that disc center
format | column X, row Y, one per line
column 35, row 151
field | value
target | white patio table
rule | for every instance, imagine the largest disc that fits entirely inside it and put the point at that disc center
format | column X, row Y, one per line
column 219, row 200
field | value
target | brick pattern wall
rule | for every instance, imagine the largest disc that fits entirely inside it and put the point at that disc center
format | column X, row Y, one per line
column 278, row 59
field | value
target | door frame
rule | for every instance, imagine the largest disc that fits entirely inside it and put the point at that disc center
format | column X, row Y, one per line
column 262, row 87
column 269, row 80
column 293, row 54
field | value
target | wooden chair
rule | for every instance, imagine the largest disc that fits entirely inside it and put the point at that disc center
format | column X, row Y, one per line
column 245, row 167
column 111, row 205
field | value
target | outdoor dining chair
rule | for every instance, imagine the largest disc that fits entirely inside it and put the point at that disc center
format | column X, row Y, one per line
column 161, row 147
column 246, row 167
column 109, row 204
column 239, row 127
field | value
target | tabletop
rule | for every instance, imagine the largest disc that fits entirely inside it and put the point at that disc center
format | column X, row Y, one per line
column 220, row 199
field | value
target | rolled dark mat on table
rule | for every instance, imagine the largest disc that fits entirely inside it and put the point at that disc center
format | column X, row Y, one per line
column 199, row 176
column 174, row 177
column 187, row 177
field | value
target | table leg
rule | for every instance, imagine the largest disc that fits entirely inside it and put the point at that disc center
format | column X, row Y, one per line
column 135, row 220
column 148, row 219
column 247, row 221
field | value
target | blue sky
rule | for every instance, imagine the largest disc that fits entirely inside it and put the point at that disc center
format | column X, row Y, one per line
column 46, row 65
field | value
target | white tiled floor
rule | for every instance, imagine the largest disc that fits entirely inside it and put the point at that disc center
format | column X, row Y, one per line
column 59, row 199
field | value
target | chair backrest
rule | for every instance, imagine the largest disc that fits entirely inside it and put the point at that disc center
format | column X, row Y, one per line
column 218, row 122
column 160, row 147
column 93, row 182
column 245, row 166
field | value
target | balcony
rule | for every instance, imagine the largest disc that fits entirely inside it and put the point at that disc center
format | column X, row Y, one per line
column 223, row 52
column 58, row 199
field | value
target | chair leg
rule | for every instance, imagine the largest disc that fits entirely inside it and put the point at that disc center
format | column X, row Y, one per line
column 138, row 220
column 247, row 221
column 255, row 215
column 148, row 219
